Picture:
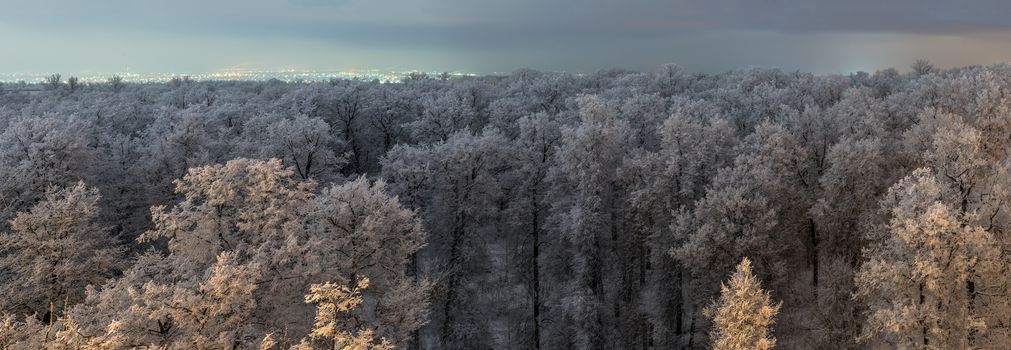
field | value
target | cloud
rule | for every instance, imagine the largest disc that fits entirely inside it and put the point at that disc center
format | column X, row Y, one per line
column 579, row 33
column 519, row 19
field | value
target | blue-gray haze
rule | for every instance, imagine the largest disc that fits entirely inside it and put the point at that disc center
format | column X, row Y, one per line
column 75, row 36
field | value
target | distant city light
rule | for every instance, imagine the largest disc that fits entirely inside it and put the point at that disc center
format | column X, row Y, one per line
column 286, row 75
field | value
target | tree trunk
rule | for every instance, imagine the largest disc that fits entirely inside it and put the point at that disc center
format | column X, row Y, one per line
column 536, row 267
column 813, row 235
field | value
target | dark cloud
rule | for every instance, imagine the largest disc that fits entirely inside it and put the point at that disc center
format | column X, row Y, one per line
column 524, row 29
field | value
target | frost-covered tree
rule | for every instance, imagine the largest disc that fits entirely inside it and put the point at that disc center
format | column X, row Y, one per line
column 931, row 277
column 670, row 80
column 552, row 201
column 388, row 116
column 759, row 207
column 331, row 329
column 244, row 206
column 588, row 214
column 116, row 83
column 921, row 67
column 175, row 142
column 341, row 104
column 465, row 185
column 53, row 81
column 64, row 333
column 210, row 311
column 149, row 308
column 54, row 251
column 73, row 83
column 744, row 211
column 357, row 230
column 37, row 152
column 306, row 145
column 744, row 314
column 696, row 143
column 442, row 115
column 537, row 142
column 244, row 244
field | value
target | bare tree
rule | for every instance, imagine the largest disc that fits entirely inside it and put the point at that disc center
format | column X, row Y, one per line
column 73, row 83
column 52, row 82
column 922, row 67
column 116, row 82
column 416, row 76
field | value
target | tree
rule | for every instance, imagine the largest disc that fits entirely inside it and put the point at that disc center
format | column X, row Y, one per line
column 342, row 105
column 243, row 244
column 931, row 276
column 37, row 152
column 357, row 230
column 61, row 334
column 52, row 82
column 149, row 307
column 116, row 83
column 307, row 145
column 209, row 311
column 442, row 115
column 744, row 314
column 73, row 83
column 251, row 208
column 747, row 206
column 588, row 214
column 388, row 115
column 173, row 143
column 54, row 251
column 758, row 207
column 415, row 77
column 465, row 185
column 330, row 330
column 858, row 174
column 670, row 80
column 534, row 209
column 695, row 143
column 537, row 141
column 922, row 67
column 242, row 206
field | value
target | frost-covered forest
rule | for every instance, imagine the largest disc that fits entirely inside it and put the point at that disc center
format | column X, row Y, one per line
column 751, row 209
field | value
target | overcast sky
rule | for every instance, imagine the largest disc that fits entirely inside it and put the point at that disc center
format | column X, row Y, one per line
column 483, row 36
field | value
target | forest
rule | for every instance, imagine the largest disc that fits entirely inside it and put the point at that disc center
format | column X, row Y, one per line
column 750, row 209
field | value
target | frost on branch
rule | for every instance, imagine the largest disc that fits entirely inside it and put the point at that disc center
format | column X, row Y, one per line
column 744, row 314
column 932, row 278
column 334, row 307
column 54, row 251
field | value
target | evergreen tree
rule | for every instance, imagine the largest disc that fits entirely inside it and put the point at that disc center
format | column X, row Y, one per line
column 744, row 314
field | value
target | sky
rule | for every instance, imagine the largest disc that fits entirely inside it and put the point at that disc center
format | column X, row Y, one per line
column 489, row 36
